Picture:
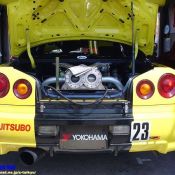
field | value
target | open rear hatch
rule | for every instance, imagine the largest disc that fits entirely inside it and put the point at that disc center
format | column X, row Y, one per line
column 57, row 20
column 81, row 49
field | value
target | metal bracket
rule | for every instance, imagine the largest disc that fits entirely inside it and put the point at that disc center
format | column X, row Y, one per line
column 126, row 107
column 42, row 107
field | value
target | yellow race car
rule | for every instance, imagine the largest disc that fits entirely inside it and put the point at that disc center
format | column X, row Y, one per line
column 79, row 79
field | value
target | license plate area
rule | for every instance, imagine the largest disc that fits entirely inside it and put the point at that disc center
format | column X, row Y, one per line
column 83, row 137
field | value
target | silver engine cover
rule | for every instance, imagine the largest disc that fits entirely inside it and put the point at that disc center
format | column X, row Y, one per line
column 83, row 77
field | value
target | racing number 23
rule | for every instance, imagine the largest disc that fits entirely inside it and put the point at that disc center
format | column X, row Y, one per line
column 140, row 131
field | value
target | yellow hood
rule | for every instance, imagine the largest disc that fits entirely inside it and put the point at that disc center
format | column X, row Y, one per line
column 59, row 20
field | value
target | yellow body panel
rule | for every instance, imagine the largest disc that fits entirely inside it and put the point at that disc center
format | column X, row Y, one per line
column 18, row 112
column 13, row 140
column 159, row 112
column 162, row 124
column 53, row 20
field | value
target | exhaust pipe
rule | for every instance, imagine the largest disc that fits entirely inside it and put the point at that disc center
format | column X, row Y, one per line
column 29, row 156
column 112, row 80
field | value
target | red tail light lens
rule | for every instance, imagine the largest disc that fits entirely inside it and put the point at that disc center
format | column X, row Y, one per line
column 4, row 85
column 145, row 89
column 166, row 85
column 22, row 89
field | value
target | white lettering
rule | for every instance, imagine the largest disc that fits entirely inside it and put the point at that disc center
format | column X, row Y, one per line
column 90, row 137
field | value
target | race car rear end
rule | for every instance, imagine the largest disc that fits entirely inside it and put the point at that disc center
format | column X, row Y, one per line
column 80, row 79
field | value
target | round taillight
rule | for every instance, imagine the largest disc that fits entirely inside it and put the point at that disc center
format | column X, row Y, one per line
column 145, row 89
column 4, row 85
column 22, row 89
column 166, row 85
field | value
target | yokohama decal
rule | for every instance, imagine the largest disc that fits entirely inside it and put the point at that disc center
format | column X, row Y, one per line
column 90, row 137
column 14, row 127
column 84, row 137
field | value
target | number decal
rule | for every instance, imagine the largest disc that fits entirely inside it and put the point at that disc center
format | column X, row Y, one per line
column 140, row 131
column 136, row 128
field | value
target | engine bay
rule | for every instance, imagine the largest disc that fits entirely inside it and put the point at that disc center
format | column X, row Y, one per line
column 83, row 69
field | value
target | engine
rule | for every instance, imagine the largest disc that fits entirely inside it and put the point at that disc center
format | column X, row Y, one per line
column 83, row 77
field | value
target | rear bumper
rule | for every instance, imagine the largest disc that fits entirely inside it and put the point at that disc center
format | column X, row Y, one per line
column 103, row 116
column 114, row 141
column 160, row 117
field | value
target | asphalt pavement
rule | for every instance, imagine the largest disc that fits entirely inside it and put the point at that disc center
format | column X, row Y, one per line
column 147, row 163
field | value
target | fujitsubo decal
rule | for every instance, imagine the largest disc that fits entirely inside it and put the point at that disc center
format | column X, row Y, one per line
column 90, row 137
column 140, row 131
column 14, row 127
